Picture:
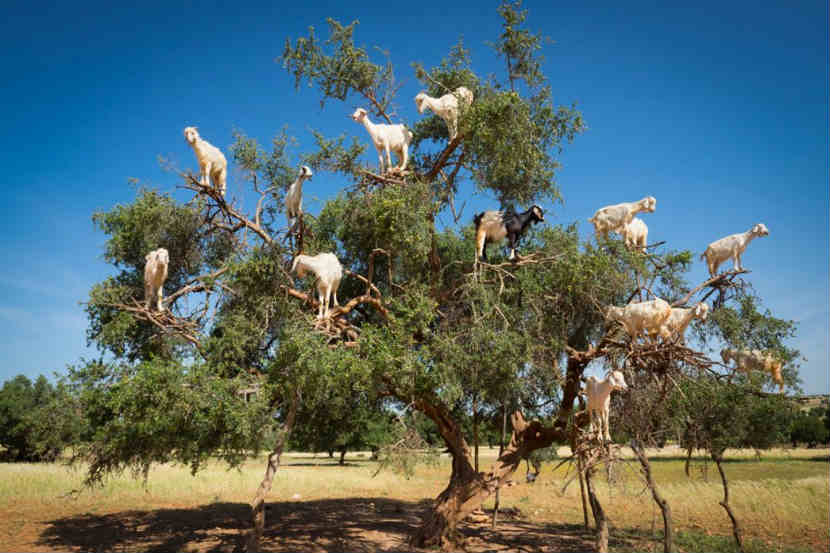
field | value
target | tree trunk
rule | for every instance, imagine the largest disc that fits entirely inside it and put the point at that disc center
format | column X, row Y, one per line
column 475, row 431
column 662, row 503
column 342, row 456
column 582, row 491
column 501, row 450
column 736, row 526
column 688, row 460
column 468, row 489
column 258, row 503
column 599, row 514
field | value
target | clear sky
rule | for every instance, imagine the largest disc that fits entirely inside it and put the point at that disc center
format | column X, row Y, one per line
column 719, row 109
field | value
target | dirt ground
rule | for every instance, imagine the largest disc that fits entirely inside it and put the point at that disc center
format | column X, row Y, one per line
column 365, row 524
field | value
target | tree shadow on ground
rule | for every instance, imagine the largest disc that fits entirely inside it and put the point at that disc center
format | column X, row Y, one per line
column 350, row 524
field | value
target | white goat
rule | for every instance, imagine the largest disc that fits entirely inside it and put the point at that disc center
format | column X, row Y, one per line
column 212, row 163
column 680, row 318
column 614, row 217
column 647, row 317
column 731, row 246
column 328, row 271
column 747, row 360
column 598, row 400
column 635, row 234
column 155, row 273
column 294, row 197
column 447, row 106
column 386, row 138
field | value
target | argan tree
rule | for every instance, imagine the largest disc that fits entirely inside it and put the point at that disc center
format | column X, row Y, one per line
column 417, row 327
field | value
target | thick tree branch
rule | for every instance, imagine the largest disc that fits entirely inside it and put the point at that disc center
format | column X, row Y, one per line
column 443, row 157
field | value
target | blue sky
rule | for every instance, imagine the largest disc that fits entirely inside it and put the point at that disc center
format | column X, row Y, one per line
column 719, row 109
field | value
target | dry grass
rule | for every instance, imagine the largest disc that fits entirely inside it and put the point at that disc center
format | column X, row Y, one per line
column 781, row 501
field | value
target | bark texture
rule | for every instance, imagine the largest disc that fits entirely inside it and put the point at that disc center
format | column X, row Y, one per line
column 599, row 514
column 736, row 525
column 665, row 509
column 468, row 488
column 258, row 503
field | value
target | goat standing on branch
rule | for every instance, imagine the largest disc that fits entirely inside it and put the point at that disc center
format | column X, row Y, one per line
column 155, row 273
column 598, row 401
column 328, row 271
column 647, row 317
column 614, row 218
column 386, row 138
column 294, row 197
column 635, row 235
column 680, row 318
column 447, row 106
column 493, row 226
column 732, row 246
column 748, row 360
column 212, row 163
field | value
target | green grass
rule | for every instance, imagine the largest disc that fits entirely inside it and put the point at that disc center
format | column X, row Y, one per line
column 628, row 542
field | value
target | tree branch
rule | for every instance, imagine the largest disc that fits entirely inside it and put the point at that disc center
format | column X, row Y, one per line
column 716, row 282
column 229, row 210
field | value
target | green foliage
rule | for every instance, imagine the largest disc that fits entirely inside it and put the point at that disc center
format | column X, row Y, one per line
column 332, row 155
column 343, row 422
column 337, row 67
column 37, row 420
column 153, row 221
column 158, row 411
column 509, row 142
column 809, row 428
column 519, row 47
column 395, row 219
column 714, row 416
column 469, row 345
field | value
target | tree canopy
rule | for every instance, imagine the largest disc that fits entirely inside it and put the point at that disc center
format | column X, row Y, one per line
column 418, row 329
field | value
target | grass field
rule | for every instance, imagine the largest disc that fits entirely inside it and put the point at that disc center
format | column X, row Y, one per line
column 781, row 501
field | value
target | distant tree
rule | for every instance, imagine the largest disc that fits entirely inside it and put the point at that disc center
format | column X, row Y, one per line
column 37, row 420
column 809, row 429
column 769, row 419
column 343, row 422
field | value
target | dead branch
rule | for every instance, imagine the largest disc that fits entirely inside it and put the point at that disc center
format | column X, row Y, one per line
column 382, row 178
column 192, row 286
column 721, row 281
column 531, row 259
column 192, row 183
column 164, row 320
column 342, row 310
column 371, row 270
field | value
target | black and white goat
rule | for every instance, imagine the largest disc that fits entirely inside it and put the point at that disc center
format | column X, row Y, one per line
column 493, row 226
